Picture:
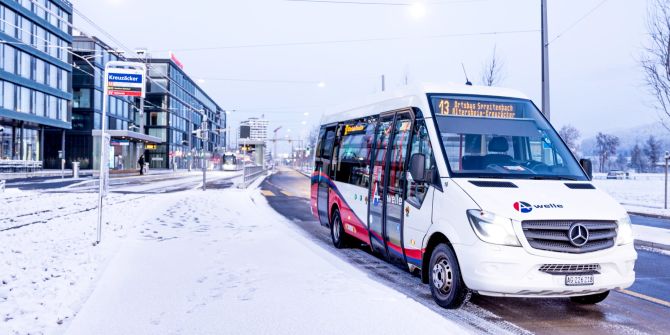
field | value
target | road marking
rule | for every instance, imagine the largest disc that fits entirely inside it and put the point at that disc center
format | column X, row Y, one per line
column 288, row 194
column 267, row 193
column 646, row 297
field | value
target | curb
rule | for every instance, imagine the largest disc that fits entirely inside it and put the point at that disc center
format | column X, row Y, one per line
column 652, row 245
column 655, row 216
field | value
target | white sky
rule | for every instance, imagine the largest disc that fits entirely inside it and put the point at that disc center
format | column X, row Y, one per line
column 596, row 82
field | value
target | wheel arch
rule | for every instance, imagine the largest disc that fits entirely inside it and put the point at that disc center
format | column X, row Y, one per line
column 435, row 239
column 333, row 207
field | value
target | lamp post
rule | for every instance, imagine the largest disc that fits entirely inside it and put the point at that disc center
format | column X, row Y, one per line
column 545, row 62
column 665, row 202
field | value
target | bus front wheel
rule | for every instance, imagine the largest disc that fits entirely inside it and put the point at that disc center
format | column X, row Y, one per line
column 446, row 284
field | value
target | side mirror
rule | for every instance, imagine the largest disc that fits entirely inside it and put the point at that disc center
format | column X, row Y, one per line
column 587, row 166
column 417, row 167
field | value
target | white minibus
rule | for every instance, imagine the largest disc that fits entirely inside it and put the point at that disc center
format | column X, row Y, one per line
column 230, row 162
column 473, row 189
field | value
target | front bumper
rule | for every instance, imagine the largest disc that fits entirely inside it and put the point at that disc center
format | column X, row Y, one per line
column 513, row 272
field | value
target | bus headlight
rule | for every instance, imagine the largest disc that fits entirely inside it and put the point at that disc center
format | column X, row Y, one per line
column 625, row 231
column 493, row 229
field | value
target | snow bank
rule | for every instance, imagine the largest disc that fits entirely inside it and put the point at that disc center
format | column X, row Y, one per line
column 222, row 262
column 49, row 266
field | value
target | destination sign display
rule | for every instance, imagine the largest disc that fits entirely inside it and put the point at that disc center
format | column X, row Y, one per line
column 475, row 108
column 349, row 129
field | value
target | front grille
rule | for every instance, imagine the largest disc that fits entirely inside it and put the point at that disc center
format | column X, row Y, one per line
column 561, row 269
column 553, row 235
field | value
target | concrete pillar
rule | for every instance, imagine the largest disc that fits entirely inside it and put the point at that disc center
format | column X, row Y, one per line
column 21, row 142
column 42, row 144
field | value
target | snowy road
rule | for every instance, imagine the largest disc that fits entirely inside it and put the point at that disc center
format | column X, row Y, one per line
column 621, row 313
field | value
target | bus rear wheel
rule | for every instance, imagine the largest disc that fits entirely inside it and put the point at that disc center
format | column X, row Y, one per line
column 591, row 299
column 446, row 284
column 337, row 231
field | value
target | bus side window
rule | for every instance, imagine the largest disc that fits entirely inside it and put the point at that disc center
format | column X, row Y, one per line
column 327, row 150
column 416, row 192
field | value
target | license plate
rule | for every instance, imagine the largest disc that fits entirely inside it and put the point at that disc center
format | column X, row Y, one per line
column 578, row 280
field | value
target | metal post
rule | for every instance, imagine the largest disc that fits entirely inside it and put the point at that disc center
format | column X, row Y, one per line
column 103, row 151
column 545, row 62
column 62, row 159
column 665, row 202
column 383, row 83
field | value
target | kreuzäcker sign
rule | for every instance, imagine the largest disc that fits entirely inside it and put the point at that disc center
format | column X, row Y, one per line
column 125, row 82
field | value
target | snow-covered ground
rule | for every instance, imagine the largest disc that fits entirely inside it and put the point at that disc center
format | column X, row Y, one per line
column 645, row 194
column 191, row 262
column 49, row 266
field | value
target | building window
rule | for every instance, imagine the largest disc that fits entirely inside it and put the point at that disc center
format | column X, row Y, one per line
column 52, row 107
column 39, row 71
column 39, row 104
column 81, row 98
column 9, row 59
column 25, row 64
column 25, row 100
column 8, row 96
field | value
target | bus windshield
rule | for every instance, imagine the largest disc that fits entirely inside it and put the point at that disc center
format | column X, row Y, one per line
column 229, row 159
column 501, row 138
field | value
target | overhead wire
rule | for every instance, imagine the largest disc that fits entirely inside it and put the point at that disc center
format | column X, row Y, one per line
column 578, row 21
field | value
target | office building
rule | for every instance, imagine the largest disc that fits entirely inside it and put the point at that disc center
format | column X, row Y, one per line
column 128, row 139
column 255, row 129
column 35, row 77
column 175, row 108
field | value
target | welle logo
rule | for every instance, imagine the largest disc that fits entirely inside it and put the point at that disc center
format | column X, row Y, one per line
column 524, row 207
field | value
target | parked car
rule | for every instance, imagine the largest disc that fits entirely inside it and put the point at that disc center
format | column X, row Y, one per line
column 617, row 174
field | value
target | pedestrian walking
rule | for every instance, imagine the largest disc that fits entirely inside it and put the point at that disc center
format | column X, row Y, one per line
column 141, row 163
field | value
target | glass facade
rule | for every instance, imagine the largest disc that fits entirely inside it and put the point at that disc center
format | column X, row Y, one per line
column 35, row 85
column 87, row 103
column 175, row 106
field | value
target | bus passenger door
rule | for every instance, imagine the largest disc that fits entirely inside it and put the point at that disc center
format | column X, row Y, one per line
column 324, row 173
column 419, row 195
column 398, row 152
column 378, row 184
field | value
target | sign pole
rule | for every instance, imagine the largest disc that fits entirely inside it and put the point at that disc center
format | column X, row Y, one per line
column 102, row 178
column 120, row 79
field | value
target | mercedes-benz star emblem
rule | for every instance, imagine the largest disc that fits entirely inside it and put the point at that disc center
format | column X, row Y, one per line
column 578, row 235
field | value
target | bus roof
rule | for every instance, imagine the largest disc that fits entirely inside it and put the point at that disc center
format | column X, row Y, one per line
column 411, row 96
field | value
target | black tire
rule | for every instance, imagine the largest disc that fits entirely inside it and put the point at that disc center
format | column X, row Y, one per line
column 591, row 299
column 444, row 277
column 337, row 233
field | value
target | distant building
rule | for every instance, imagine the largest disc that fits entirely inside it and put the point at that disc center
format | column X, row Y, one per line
column 257, row 129
column 35, row 76
column 175, row 106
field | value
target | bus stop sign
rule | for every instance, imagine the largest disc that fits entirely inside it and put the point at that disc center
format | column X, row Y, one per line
column 126, row 82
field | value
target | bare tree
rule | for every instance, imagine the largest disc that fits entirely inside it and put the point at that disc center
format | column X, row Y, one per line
column 656, row 57
column 313, row 137
column 571, row 136
column 606, row 146
column 492, row 71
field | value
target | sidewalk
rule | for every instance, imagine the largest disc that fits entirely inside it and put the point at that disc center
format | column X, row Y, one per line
column 224, row 262
column 652, row 237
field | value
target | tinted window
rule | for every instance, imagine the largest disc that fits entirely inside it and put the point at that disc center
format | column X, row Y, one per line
column 354, row 154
